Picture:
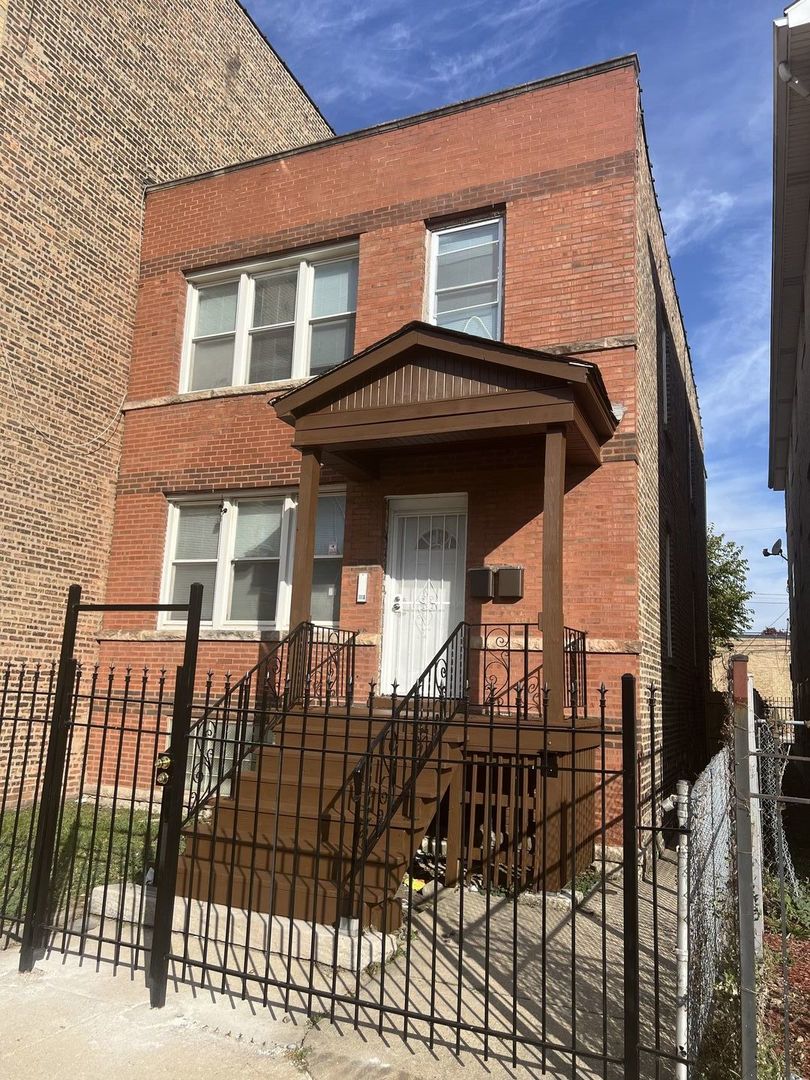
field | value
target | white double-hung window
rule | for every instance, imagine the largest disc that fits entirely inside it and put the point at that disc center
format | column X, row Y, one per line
column 271, row 321
column 466, row 278
column 241, row 550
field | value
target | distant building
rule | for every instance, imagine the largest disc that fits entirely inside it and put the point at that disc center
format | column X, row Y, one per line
column 789, row 467
column 768, row 661
column 98, row 100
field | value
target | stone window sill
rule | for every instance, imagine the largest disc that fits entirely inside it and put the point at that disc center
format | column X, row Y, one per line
column 211, row 395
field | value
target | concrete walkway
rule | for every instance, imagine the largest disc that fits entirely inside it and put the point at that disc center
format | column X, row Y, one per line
column 70, row 1020
column 79, row 1020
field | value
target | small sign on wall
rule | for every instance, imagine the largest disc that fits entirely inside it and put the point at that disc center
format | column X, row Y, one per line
column 362, row 587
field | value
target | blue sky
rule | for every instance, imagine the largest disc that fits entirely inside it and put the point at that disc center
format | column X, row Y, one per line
column 707, row 96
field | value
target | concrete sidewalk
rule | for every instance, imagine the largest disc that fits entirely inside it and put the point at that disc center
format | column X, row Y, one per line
column 79, row 1020
column 72, row 1020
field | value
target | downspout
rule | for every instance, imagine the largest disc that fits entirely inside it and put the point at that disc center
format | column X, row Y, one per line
column 682, row 947
column 680, row 803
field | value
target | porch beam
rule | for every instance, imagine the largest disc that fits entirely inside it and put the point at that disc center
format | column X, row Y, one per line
column 553, row 499
column 351, row 468
column 322, row 432
column 301, row 598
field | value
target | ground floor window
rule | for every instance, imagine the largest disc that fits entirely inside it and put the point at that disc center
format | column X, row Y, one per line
column 241, row 550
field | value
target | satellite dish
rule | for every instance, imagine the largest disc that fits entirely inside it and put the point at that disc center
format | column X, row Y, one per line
column 777, row 548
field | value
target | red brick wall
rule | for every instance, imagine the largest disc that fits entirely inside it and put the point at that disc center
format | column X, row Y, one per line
column 560, row 161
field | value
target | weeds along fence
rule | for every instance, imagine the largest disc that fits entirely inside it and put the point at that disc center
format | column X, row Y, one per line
column 709, row 889
column 783, row 768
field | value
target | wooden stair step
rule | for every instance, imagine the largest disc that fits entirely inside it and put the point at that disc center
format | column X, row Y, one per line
column 299, row 897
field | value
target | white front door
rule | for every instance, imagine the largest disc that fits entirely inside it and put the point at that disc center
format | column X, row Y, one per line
column 424, row 584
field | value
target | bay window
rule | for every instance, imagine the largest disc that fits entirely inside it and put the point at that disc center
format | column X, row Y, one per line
column 241, row 551
column 272, row 321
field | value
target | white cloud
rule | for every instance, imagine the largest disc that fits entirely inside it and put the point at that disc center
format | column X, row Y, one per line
column 695, row 216
column 404, row 58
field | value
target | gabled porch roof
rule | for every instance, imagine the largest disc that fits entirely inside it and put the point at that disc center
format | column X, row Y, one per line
column 425, row 384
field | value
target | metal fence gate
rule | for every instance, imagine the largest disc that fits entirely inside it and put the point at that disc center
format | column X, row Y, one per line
column 198, row 839
column 85, row 832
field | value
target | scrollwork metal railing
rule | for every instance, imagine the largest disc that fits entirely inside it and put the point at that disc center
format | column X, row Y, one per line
column 387, row 772
column 313, row 664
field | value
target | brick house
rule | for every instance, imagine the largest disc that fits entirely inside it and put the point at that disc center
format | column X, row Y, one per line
column 370, row 370
column 259, row 281
column 98, row 100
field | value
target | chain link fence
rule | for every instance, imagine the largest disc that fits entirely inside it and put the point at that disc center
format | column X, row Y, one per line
column 773, row 745
column 710, row 889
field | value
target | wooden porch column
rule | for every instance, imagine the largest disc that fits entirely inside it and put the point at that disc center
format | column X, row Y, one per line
column 301, row 599
column 553, row 498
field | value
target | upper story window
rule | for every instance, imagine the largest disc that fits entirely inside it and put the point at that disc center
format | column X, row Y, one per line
column 268, row 322
column 466, row 278
column 241, row 550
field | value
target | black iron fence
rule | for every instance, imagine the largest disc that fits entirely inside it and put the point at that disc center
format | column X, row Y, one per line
column 26, row 700
column 451, row 870
column 313, row 664
column 781, row 818
column 463, row 892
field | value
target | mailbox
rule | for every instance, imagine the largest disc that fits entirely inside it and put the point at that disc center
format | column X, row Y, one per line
column 509, row 583
column 482, row 583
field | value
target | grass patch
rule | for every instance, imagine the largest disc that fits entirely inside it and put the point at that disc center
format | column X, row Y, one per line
column 797, row 908
column 719, row 1057
column 94, row 845
column 299, row 1056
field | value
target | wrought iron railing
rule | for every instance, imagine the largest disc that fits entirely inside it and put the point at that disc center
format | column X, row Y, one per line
column 575, row 667
column 387, row 772
column 506, row 668
column 313, row 665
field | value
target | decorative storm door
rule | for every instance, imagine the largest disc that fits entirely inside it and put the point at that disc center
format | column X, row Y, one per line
column 424, row 584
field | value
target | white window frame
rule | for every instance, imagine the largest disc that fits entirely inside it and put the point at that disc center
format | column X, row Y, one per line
column 246, row 274
column 432, row 314
column 223, row 581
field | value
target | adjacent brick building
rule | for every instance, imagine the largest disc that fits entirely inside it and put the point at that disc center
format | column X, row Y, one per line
column 98, row 101
column 527, row 217
column 789, row 458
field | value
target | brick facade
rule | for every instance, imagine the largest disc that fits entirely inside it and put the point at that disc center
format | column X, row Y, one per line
column 672, row 499
column 565, row 164
column 98, row 100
